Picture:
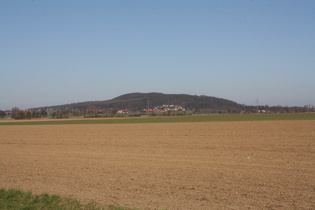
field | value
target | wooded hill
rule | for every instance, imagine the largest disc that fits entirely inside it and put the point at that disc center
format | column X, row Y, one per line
column 139, row 101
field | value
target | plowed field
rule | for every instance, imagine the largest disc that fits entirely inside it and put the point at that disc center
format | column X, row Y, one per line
column 213, row 165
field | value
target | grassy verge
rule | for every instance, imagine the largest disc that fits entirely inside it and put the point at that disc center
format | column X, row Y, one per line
column 193, row 118
column 20, row 200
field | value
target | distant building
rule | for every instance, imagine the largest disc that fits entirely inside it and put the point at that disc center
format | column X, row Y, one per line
column 165, row 108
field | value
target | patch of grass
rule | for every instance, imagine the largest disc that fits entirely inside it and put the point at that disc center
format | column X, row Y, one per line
column 189, row 118
column 20, row 200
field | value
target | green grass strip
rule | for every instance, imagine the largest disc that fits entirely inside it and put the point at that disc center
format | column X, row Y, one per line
column 20, row 200
column 173, row 119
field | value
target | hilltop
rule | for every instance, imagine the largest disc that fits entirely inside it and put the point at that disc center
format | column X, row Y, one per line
column 139, row 101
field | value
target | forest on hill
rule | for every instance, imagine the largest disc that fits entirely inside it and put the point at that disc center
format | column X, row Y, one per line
column 140, row 101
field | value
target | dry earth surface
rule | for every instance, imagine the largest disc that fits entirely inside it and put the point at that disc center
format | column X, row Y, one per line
column 213, row 165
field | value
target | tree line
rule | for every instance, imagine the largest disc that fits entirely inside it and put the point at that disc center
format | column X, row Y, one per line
column 17, row 113
column 94, row 111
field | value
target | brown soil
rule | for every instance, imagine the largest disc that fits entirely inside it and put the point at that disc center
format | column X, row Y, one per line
column 215, row 165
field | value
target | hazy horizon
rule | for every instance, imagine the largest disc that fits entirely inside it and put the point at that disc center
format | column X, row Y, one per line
column 257, row 102
column 61, row 52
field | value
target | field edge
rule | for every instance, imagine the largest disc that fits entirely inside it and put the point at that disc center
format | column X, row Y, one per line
column 168, row 119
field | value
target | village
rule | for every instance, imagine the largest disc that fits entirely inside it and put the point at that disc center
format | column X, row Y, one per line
column 157, row 109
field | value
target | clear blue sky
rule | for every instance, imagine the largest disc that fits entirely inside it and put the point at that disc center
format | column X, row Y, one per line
column 58, row 52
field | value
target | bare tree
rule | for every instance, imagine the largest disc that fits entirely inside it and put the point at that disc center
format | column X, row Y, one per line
column 91, row 111
column 16, row 113
column 2, row 114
